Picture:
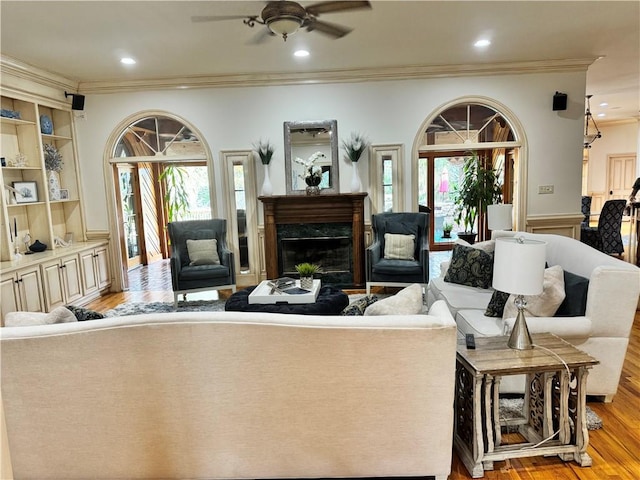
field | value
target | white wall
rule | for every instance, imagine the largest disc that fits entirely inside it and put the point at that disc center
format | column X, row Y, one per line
column 616, row 139
column 387, row 112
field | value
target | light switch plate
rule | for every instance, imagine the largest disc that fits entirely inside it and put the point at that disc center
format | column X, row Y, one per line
column 545, row 189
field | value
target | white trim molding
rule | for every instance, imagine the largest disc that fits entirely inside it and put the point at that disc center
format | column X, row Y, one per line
column 566, row 225
column 406, row 72
column 376, row 154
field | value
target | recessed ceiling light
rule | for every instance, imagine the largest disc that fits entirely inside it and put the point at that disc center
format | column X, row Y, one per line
column 602, row 115
column 301, row 53
column 482, row 43
column 128, row 61
column 604, row 104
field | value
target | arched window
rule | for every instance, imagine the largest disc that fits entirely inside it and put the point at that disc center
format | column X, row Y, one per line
column 162, row 172
column 446, row 138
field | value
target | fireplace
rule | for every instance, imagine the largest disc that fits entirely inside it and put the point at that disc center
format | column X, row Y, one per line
column 332, row 253
column 323, row 229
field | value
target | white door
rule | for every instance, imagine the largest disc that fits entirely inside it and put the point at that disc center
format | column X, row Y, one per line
column 622, row 174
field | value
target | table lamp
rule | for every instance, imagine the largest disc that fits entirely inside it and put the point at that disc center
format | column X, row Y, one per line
column 518, row 268
column 499, row 216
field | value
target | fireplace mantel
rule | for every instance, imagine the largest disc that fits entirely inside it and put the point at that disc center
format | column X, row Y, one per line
column 324, row 209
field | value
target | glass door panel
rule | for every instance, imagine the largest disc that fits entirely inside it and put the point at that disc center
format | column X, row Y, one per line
column 130, row 210
column 446, row 171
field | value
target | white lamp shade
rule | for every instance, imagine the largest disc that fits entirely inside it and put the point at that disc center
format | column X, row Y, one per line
column 499, row 216
column 518, row 265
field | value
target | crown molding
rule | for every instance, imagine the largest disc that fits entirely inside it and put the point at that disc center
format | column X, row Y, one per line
column 623, row 121
column 407, row 72
column 20, row 70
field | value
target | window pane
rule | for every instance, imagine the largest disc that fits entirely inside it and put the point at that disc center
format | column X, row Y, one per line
column 241, row 215
column 196, row 185
column 468, row 123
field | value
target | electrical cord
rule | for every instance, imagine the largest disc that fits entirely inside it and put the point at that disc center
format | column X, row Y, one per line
column 528, row 447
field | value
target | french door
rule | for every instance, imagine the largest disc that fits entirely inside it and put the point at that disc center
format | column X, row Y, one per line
column 441, row 172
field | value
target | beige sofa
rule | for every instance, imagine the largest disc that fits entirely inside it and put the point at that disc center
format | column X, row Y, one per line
column 230, row 395
column 603, row 331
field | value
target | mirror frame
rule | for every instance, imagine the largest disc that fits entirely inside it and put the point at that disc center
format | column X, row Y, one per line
column 332, row 126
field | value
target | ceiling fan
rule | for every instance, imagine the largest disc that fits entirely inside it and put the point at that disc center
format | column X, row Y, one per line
column 284, row 17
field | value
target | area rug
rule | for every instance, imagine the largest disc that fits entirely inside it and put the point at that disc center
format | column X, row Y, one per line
column 136, row 308
column 511, row 408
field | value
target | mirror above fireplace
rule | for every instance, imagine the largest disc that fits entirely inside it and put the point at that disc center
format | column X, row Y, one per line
column 303, row 139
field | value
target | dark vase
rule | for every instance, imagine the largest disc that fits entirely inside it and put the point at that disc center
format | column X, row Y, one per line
column 469, row 237
column 313, row 180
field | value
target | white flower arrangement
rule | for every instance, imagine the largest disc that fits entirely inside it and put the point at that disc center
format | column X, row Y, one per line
column 311, row 170
column 52, row 158
column 355, row 145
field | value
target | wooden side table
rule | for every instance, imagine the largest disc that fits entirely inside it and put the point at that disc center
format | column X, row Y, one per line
column 554, row 403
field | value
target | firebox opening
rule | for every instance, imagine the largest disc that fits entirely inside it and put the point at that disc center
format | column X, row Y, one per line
column 333, row 254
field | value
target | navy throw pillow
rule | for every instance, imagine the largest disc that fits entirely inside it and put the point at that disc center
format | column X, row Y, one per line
column 575, row 301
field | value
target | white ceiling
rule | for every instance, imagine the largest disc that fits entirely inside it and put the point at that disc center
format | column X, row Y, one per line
column 83, row 40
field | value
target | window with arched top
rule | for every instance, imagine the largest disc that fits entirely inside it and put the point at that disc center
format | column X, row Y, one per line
column 470, row 126
column 467, row 124
column 162, row 173
column 161, row 137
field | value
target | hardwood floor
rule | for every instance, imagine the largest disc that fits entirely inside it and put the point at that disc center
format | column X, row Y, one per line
column 615, row 449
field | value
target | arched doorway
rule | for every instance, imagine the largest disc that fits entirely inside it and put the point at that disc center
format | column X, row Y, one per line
column 158, row 171
column 445, row 139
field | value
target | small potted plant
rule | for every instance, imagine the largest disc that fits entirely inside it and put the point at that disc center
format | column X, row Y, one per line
column 446, row 229
column 306, row 272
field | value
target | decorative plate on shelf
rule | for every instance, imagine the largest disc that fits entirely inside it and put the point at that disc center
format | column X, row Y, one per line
column 46, row 126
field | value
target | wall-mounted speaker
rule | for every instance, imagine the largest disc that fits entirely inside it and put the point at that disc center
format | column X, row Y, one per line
column 77, row 102
column 560, row 101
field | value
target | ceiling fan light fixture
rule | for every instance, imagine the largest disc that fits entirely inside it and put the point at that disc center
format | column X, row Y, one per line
column 283, row 17
column 284, row 26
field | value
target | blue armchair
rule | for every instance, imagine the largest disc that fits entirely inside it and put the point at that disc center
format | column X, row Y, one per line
column 397, row 260
column 211, row 269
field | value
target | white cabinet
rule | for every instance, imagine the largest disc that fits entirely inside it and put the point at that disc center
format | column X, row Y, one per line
column 43, row 281
column 96, row 273
column 21, row 290
column 61, row 281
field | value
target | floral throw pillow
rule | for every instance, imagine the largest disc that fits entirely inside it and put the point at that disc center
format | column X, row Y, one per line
column 357, row 307
column 496, row 304
column 470, row 266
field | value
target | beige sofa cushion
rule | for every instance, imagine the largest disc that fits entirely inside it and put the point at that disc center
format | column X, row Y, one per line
column 545, row 304
column 27, row 319
column 407, row 301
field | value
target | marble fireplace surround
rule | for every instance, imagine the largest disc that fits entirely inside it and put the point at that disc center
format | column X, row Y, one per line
column 324, row 219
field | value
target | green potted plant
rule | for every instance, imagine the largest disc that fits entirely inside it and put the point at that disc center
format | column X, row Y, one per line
column 446, row 229
column 176, row 196
column 478, row 188
column 306, row 271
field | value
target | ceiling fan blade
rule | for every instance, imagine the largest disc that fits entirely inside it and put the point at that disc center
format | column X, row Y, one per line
column 336, row 6
column 216, row 18
column 331, row 29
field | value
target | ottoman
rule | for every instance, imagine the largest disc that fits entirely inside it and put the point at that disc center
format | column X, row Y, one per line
column 331, row 301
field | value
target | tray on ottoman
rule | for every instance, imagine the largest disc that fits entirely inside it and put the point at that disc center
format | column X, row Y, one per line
column 263, row 294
